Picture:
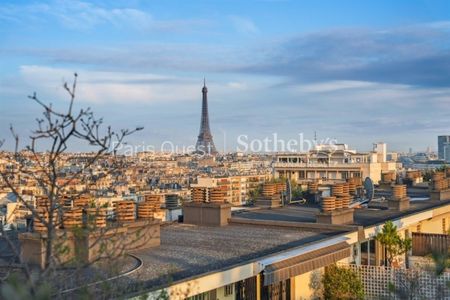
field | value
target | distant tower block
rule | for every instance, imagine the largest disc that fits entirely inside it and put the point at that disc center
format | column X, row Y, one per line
column 205, row 144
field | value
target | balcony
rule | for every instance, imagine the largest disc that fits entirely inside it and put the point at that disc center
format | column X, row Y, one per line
column 317, row 165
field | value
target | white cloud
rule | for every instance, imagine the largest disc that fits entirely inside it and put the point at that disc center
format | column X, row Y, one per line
column 237, row 85
column 80, row 15
column 244, row 25
column 110, row 87
column 103, row 87
column 359, row 101
column 331, row 86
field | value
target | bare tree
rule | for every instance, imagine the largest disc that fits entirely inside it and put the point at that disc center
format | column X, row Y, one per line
column 42, row 160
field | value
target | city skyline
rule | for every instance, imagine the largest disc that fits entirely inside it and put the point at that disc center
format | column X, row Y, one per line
column 224, row 149
column 355, row 73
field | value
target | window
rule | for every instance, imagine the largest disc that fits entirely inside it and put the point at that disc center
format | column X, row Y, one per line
column 211, row 295
column 368, row 252
column 228, row 290
column 198, row 297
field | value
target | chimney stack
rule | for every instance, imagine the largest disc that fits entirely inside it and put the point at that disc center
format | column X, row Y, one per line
column 399, row 200
column 335, row 209
column 271, row 195
column 207, row 207
column 440, row 186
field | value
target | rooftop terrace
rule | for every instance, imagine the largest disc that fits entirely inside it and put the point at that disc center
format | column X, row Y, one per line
column 375, row 214
column 189, row 250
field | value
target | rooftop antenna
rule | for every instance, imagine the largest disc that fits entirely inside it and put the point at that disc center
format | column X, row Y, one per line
column 204, row 81
column 315, row 136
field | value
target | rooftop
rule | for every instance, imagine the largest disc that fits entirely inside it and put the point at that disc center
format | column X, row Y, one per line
column 190, row 250
column 376, row 213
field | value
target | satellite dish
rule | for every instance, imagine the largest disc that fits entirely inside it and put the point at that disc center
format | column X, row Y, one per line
column 288, row 191
column 369, row 188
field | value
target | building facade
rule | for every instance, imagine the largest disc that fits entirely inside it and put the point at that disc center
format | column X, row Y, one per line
column 236, row 188
column 333, row 163
column 444, row 147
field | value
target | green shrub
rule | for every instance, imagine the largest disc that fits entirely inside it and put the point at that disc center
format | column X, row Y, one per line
column 341, row 283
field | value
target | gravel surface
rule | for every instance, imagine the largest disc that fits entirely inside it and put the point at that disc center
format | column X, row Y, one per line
column 189, row 250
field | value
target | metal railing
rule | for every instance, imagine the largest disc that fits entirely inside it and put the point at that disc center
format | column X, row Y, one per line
column 316, row 165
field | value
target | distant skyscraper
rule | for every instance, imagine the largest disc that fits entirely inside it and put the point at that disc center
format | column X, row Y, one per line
column 443, row 147
column 205, row 142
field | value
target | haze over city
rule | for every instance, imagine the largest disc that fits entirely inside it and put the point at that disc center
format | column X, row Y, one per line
column 225, row 149
column 351, row 71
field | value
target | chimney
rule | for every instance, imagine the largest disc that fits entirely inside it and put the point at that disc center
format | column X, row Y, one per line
column 125, row 234
column 271, row 195
column 412, row 177
column 207, row 207
column 387, row 179
column 439, row 186
column 335, row 209
column 399, row 200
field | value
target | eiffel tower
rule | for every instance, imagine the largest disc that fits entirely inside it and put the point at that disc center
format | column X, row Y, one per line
column 205, row 144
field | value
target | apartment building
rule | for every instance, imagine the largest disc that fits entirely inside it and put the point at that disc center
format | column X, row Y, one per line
column 236, row 188
column 333, row 162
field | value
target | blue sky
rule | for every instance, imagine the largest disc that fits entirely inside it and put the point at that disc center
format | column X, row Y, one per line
column 356, row 71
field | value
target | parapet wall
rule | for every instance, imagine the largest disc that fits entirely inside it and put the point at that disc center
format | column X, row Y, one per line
column 209, row 214
column 85, row 246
